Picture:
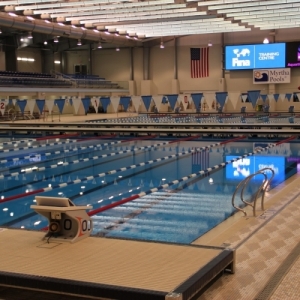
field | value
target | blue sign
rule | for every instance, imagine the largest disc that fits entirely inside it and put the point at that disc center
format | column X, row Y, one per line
column 262, row 56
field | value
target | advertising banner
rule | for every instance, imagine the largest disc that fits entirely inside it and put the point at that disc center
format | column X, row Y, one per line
column 272, row 76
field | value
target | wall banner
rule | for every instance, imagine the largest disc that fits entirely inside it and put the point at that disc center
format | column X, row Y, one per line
column 272, row 76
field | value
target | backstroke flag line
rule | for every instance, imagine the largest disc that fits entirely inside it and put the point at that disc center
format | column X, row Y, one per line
column 199, row 62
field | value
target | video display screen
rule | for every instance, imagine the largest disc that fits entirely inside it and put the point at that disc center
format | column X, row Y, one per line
column 260, row 56
column 293, row 54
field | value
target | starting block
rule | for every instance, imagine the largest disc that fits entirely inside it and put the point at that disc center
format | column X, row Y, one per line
column 67, row 222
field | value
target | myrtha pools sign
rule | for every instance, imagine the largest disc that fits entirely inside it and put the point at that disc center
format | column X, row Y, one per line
column 272, row 76
column 262, row 56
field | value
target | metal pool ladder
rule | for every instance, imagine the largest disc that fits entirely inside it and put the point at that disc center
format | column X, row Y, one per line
column 262, row 189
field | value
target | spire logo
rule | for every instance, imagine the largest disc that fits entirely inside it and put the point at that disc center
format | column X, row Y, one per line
column 238, row 61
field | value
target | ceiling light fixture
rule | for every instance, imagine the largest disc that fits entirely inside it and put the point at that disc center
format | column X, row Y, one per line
column 117, row 49
column 55, row 40
column 99, row 45
column 162, row 46
column 209, row 44
column 79, row 42
column 266, row 41
column 29, row 35
column 45, row 42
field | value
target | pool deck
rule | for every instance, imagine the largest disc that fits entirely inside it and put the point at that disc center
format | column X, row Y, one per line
column 267, row 258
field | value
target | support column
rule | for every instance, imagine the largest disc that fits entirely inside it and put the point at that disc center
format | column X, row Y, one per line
column 146, row 84
column 272, row 90
column 132, row 87
column 131, row 83
column 146, row 62
column 90, row 59
column 222, row 82
column 175, row 81
column 10, row 50
column 221, row 85
column 175, row 86
column 47, row 61
column 64, row 62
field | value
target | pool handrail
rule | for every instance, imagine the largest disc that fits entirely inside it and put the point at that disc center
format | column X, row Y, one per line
column 262, row 189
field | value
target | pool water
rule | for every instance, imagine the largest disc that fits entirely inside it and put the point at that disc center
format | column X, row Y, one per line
column 99, row 172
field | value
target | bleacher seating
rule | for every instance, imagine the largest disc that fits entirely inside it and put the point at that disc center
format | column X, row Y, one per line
column 91, row 81
column 28, row 79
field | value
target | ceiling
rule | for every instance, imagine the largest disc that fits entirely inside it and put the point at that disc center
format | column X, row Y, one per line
column 139, row 20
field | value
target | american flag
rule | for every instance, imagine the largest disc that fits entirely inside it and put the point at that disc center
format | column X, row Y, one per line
column 200, row 160
column 199, row 62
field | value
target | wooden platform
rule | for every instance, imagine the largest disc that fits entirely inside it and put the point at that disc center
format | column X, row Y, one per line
column 109, row 268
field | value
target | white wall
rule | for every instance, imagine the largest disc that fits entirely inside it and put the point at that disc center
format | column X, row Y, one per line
column 111, row 64
column 161, row 69
column 138, row 75
column 210, row 83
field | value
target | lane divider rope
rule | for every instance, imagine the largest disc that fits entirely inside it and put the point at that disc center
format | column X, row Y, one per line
column 89, row 177
column 185, row 178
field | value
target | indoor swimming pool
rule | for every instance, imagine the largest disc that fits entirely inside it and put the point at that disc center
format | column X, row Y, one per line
column 174, row 190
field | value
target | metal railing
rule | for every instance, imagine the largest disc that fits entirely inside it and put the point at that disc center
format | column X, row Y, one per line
column 260, row 191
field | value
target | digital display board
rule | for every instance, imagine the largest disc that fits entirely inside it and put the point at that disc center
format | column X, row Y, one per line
column 260, row 56
column 293, row 54
column 242, row 168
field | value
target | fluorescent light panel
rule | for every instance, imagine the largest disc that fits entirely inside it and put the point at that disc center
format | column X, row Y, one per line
column 264, row 13
column 26, row 59
column 172, row 30
column 224, row 2
column 104, row 4
column 271, row 18
column 220, row 30
column 92, row 10
column 136, row 16
column 179, row 28
column 16, row 2
column 248, row 3
column 150, row 17
column 171, row 24
column 259, row 8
